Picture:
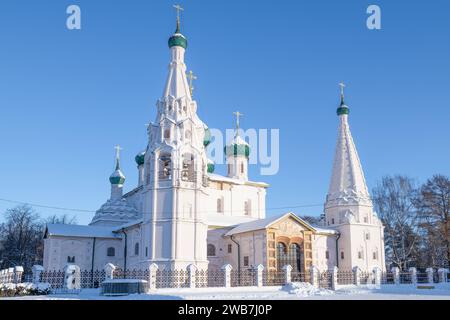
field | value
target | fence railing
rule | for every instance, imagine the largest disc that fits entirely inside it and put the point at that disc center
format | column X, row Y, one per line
column 72, row 278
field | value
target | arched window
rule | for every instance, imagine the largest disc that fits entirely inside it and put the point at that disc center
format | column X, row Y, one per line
column 295, row 257
column 211, row 250
column 165, row 166
column 242, row 167
column 136, row 249
column 247, row 207
column 111, row 252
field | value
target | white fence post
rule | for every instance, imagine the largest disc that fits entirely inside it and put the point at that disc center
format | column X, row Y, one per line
column 18, row 272
column 334, row 278
column 377, row 276
column 153, row 268
column 10, row 275
column 72, row 277
column 314, row 272
column 442, row 275
column 259, row 275
column 396, row 275
column 287, row 273
column 37, row 270
column 430, row 277
column 413, row 272
column 357, row 276
column 227, row 270
column 191, row 275
column 109, row 270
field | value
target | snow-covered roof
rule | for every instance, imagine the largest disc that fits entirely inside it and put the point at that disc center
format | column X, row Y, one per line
column 219, row 220
column 73, row 230
column 325, row 231
column 265, row 223
column 128, row 225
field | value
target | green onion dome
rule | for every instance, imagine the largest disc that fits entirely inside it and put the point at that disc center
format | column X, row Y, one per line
column 140, row 158
column 117, row 177
column 343, row 108
column 207, row 137
column 211, row 166
column 237, row 147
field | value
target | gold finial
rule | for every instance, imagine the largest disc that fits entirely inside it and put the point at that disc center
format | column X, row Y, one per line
column 179, row 9
column 238, row 117
column 191, row 77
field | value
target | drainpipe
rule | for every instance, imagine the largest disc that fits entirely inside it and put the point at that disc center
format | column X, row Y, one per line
column 337, row 249
column 239, row 259
column 125, row 254
column 93, row 255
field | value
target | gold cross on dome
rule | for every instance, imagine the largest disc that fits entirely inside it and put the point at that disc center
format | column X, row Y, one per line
column 342, row 85
column 191, row 77
column 238, row 117
column 179, row 9
column 118, row 148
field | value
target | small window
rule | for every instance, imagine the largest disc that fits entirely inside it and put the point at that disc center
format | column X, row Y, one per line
column 342, row 255
column 367, row 236
column 211, row 250
column 136, row 249
column 246, row 261
column 332, row 221
column 230, row 248
column 375, row 255
column 220, row 205
column 188, row 134
column 71, row 259
column 167, row 134
column 327, row 255
column 360, row 255
column 366, row 220
column 247, row 207
column 229, row 168
column 146, row 251
column 242, row 167
column 111, row 252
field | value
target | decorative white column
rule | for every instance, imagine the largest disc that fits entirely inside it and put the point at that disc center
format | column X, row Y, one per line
column 442, row 275
column 259, row 276
column 334, row 278
column 153, row 268
column 18, row 272
column 314, row 272
column 377, row 276
column 10, row 275
column 37, row 270
column 413, row 272
column 191, row 275
column 227, row 270
column 430, row 277
column 109, row 270
column 396, row 275
column 287, row 274
column 357, row 276
column 72, row 277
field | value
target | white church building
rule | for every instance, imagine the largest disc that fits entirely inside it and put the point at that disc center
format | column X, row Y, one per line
column 182, row 213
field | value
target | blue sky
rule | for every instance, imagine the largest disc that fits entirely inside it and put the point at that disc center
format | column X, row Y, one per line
column 68, row 97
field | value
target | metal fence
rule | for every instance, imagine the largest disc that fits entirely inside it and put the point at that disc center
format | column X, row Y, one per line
column 194, row 277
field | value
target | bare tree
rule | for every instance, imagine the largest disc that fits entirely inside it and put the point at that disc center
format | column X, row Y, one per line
column 62, row 219
column 21, row 238
column 433, row 202
column 393, row 201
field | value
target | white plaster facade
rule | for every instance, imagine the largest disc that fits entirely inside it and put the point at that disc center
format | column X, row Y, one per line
column 180, row 209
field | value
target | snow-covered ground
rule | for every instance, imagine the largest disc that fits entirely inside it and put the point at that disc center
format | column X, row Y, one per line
column 296, row 291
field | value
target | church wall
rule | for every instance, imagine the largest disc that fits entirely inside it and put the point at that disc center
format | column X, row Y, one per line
column 234, row 198
column 321, row 245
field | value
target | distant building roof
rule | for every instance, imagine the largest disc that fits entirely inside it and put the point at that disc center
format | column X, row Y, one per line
column 72, row 230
